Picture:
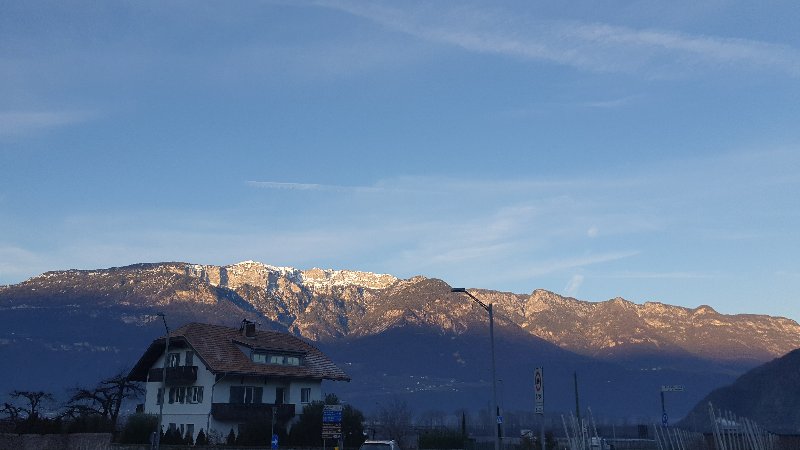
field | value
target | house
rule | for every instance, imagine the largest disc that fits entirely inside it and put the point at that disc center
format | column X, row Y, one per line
column 218, row 378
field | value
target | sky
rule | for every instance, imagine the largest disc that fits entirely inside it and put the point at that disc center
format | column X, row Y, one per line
column 640, row 149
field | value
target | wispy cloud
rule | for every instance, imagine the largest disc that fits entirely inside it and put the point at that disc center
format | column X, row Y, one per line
column 18, row 123
column 589, row 46
column 658, row 275
column 558, row 265
column 574, row 285
column 388, row 188
column 310, row 187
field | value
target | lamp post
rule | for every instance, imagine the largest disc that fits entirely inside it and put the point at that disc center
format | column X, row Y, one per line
column 488, row 308
column 163, row 384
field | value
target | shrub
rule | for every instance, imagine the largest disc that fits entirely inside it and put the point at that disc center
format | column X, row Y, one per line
column 441, row 439
column 138, row 429
column 201, row 438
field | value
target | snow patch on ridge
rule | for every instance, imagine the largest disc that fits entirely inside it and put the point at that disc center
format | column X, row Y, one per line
column 326, row 277
column 258, row 274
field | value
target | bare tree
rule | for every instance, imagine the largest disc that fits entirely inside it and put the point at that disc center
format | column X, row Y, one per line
column 31, row 407
column 105, row 399
column 395, row 419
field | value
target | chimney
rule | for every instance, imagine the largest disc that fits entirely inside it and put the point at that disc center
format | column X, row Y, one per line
column 248, row 328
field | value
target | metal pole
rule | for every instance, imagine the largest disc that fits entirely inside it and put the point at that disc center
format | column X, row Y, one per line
column 494, row 380
column 578, row 411
column 541, row 433
column 496, row 425
column 272, row 425
column 163, row 384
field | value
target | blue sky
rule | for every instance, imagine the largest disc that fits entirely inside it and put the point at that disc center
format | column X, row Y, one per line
column 640, row 149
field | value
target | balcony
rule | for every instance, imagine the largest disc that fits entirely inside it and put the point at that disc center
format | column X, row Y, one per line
column 251, row 412
column 179, row 375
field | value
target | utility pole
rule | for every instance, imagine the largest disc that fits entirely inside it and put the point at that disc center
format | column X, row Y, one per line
column 498, row 419
column 163, row 385
column 578, row 411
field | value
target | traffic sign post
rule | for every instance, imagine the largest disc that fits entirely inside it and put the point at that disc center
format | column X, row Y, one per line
column 538, row 390
column 672, row 388
column 332, row 422
column 538, row 393
column 668, row 388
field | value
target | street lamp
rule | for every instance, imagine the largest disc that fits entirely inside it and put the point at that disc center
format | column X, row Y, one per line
column 488, row 308
column 163, row 384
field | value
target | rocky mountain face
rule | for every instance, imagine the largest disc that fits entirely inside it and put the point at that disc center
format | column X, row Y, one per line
column 110, row 313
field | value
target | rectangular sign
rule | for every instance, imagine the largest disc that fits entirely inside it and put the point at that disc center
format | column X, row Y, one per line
column 332, row 422
column 672, row 388
column 332, row 414
column 538, row 390
column 331, row 431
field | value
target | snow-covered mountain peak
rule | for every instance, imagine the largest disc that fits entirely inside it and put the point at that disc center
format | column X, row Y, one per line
column 327, row 277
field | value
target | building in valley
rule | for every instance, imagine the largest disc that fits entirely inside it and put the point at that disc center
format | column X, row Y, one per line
column 219, row 378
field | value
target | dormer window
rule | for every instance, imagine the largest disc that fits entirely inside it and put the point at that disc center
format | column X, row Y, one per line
column 277, row 358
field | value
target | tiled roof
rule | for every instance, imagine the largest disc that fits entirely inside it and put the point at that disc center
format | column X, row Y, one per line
column 217, row 348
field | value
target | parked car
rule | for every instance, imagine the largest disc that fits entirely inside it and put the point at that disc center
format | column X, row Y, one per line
column 379, row 445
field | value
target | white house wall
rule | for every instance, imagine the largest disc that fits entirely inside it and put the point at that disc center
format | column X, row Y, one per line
column 198, row 414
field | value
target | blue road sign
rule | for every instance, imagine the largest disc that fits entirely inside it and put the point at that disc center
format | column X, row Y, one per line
column 274, row 441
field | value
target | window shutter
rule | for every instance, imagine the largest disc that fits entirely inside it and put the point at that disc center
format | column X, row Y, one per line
column 200, row 394
column 189, row 358
column 172, row 395
column 258, row 393
column 237, row 394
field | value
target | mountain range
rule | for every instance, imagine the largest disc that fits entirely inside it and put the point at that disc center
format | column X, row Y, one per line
column 768, row 394
column 411, row 338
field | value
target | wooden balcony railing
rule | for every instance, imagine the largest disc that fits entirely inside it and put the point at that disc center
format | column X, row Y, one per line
column 179, row 375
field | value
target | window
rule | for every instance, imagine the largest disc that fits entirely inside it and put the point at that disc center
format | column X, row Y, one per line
column 190, row 430
column 195, row 394
column 160, row 396
column 246, row 394
column 189, row 358
column 275, row 358
column 180, row 395
column 305, row 395
column 174, row 360
column 280, row 395
column 190, row 394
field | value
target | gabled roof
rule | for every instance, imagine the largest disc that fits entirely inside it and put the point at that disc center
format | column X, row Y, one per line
column 218, row 348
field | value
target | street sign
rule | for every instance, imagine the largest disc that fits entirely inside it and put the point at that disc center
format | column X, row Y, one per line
column 332, row 422
column 274, row 441
column 671, row 388
column 538, row 390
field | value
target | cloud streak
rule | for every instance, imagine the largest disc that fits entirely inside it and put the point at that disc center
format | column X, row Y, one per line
column 310, row 187
column 20, row 123
column 574, row 285
column 595, row 47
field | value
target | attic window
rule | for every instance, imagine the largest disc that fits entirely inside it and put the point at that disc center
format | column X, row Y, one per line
column 276, row 358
